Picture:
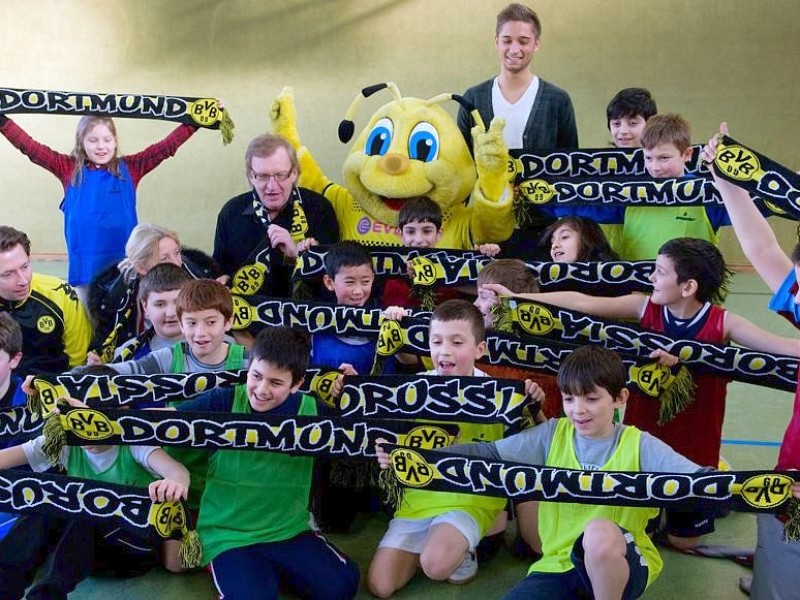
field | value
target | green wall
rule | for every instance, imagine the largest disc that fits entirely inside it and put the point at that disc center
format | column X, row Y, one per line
column 711, row 60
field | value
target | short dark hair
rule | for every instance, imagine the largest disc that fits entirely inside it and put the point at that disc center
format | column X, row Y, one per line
column 10, row 335
column 667, row 129
column 285, row 348
column 10, row 237
column 631, row 102
column 164, row 277
column 518, row 12
column 594, row 244
column 204, row 294
column 702, row 261
column 590, row 367
column 461, row 310
column 511, row 273
column 345, row 254
column 420, row 209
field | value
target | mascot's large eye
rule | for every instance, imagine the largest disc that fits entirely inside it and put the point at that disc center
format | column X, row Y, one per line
column 423, row 143
column 380, row 138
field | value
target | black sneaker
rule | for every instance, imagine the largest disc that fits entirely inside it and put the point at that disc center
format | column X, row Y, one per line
column 489, row 546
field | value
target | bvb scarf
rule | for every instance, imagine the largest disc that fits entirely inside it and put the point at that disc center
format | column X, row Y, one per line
column 674, row 387
column 588, row 163
column 122, row 317
column 558, row 325
column 386, row 262
column 464, row 399
column 200, row 112
column 314, row 317
column 119, row 390
column 98, row 502
column 131, row 390
column 750, row 491
column 296, row 435
column 762, row 177
column 129, row 351
column 455, row 268
column 19, row 424
column 254, row 276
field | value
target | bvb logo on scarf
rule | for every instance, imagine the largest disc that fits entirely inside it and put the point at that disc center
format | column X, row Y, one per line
column 299, row 226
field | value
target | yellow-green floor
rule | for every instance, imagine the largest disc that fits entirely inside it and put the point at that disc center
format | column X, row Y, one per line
column 755, row 420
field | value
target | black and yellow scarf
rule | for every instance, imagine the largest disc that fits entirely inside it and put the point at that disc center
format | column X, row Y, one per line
column 750, row 491
column 200, row 112
column 98, row 502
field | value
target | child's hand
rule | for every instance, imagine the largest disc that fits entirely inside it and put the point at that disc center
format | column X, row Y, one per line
column 167, row 490
column 93, row 359
column 709, row 151
column 338, row 384
column 223, row 279
column 795, row 489
column 664, row 358
column 27, row 386
column 490, row 250
column 383, row 457
column 75, row 403
column 499, row 290
column 533, row 391
column 395, row 313
column 306, row 244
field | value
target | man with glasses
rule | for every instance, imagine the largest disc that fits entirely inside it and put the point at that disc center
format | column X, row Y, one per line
column 260, row 233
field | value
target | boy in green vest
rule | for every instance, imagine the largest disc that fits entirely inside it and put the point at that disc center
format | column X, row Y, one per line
column 589, row 550
column 70, row 550
column 205, row 310
column 254, row 517
column 666, row 142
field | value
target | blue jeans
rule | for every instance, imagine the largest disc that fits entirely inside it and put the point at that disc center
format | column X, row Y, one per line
column 309, row 566
column 575, row 583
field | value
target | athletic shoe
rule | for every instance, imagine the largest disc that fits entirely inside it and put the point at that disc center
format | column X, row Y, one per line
column 466, row 571
column 745, row 583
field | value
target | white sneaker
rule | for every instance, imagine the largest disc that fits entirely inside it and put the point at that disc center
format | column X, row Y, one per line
column 466, row 571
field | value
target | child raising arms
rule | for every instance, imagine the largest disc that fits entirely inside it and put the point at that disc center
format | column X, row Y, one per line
column 99, row 202
column 776, row 570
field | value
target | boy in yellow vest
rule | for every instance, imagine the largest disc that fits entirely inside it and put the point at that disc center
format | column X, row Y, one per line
column 589, row 550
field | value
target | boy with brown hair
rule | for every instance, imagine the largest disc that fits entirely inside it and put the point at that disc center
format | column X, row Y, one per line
column 158, row 294
column 590, row 551
column 436, row 531
column 666, row 142
column 254, row 517
column 205, row 310
column 687, row 279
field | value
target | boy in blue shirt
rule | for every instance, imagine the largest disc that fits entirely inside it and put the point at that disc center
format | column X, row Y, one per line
column 11, row 394
column 254, row 517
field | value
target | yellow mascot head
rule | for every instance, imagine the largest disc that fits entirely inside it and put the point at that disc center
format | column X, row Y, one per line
column 410, row 147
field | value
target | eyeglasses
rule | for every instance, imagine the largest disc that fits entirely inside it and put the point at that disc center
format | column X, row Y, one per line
column 265, row 177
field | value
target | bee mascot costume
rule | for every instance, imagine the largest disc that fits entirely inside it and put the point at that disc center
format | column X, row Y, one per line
column 410, row 148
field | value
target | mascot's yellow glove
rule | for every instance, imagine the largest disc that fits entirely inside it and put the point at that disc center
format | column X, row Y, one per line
column 491, row 159
column 283, row 116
